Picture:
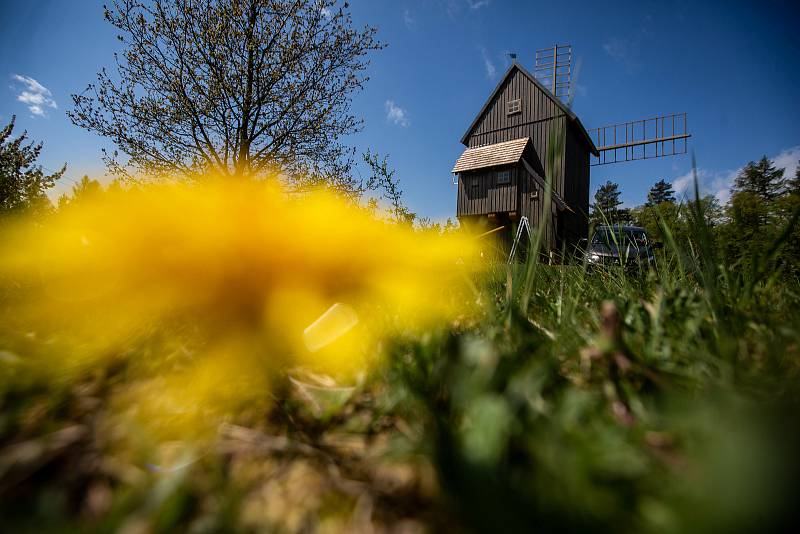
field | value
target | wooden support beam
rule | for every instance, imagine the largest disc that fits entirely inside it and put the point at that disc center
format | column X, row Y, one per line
column 644, row 142
column 538, row 179
column 490, row 232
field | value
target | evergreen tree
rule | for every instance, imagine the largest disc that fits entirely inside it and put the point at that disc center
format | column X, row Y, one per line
column 606, row 207
column 23, row 183
column 86, row 188
column 747, row 232
column 713, row 211
column 660, row 192
column 650, row 218
column 762, row 179
column 788, row 205
column 793, row 185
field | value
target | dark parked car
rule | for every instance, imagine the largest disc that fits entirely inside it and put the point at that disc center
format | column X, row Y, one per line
column 620, row 245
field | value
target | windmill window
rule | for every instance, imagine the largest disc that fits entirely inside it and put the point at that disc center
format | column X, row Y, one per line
column 513, row 106
column 503, row 177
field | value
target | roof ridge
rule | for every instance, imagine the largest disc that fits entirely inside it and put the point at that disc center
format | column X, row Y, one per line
column 516, row 65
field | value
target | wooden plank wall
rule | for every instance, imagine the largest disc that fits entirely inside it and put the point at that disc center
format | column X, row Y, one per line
column 539, row 114
column 577, row 190
column 489, row 197
column 533, row 208
column 538, row 117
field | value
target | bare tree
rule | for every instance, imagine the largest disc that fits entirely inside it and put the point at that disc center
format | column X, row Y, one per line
column 234, row 87
column 382, row 179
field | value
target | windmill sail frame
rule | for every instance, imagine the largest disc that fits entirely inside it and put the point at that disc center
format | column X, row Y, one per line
column 656, row 137
column 553, row 68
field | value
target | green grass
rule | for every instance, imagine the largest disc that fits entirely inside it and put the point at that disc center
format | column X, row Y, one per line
column 618, row 400
column 621, row 401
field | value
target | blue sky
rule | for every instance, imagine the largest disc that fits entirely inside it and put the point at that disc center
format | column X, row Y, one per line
column 734, row 67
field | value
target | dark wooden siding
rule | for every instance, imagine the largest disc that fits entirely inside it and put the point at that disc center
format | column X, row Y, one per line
column 539, row 115
column 488, row 196
column 540, row 119
column 536, row 106
column 531, row 202
column 577, row 190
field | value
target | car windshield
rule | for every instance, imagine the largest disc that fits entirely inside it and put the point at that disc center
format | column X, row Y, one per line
column 613, row 237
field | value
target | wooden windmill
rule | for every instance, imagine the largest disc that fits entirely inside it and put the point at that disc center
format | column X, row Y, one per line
column 501, row 174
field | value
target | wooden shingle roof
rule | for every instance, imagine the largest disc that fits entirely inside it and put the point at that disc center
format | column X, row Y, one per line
column 481, row 157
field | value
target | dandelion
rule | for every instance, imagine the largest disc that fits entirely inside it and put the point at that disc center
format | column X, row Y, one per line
column 204, row 295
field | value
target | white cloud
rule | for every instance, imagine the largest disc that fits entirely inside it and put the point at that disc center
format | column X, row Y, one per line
column 616, row 48
column 627, row 49
column 491, row 70
column 719, row 183
column 710, row 182
column 35, row 95
column 683, row 183
column 787, row 159
column 326, row 12
column 396, row 114
column 452, row 7
column 456, row 7
column 408, row 19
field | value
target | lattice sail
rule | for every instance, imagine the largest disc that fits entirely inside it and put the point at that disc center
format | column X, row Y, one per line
column 554, row 69
column 666, row 135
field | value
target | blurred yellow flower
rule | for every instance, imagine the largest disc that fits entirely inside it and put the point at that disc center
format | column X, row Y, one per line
column 205, row 292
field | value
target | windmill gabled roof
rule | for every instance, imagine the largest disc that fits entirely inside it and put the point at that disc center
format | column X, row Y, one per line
column 504, row 153
column 568, row 112
column 481, row 157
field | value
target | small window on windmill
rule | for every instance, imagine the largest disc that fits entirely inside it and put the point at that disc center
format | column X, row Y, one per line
column 475, row 184
column 503, row 177
column 513, row 106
